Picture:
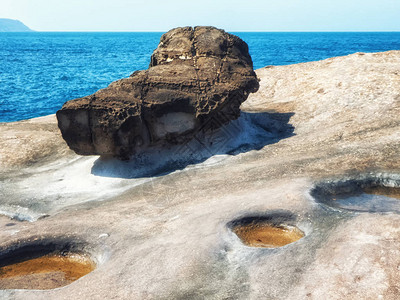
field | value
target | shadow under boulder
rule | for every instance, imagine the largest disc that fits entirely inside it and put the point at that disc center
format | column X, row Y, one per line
column 251, row 131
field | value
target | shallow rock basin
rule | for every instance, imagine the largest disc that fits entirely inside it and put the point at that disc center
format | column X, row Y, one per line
column 268, row 235
column 362, row 195
column 43, row 263
column 46, row 272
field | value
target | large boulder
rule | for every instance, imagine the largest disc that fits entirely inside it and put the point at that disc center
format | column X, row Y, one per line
column 197, row 77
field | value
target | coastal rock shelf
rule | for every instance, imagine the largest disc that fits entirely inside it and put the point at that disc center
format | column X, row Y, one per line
column 170, row 236
column 197, row 79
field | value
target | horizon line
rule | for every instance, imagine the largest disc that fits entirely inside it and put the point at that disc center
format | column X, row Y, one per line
column 249, row 31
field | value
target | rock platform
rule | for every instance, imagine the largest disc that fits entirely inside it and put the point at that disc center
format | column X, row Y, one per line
column 167, row 236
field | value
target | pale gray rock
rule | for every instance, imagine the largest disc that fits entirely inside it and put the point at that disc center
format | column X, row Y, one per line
column 168, row 236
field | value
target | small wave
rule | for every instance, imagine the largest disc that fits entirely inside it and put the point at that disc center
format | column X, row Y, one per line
column 64, row 78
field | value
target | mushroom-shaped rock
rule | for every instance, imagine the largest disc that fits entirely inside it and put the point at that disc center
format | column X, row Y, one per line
column 196, row 76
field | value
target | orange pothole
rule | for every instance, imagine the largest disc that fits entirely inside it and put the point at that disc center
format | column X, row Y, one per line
column 267, row 235
column 45, row 272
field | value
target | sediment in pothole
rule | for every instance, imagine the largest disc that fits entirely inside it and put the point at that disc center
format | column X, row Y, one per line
column 42, row 266
column 271, row 231
column 268, row 235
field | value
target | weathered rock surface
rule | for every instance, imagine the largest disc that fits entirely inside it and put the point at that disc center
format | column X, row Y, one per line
column 197, row 76
column 167, row 237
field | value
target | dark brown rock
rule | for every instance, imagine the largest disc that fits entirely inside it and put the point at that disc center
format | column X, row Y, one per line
column 196, row 76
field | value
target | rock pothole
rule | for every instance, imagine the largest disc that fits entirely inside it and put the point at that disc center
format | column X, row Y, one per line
column 271, row 231
column 43, row 265
column 380, row 193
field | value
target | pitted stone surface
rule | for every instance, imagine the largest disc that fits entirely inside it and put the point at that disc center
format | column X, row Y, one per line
column 196, row 76
column 167, row 235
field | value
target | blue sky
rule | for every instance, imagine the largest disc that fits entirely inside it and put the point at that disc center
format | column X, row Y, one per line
column 231, row 15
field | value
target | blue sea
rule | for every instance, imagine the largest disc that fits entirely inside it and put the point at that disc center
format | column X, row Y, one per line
column 40, row 71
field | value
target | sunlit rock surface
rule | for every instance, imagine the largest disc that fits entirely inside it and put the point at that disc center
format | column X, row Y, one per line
column 197, row 79
column 168, row 236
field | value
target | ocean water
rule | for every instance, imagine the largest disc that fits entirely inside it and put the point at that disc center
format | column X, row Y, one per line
column 40, row 71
